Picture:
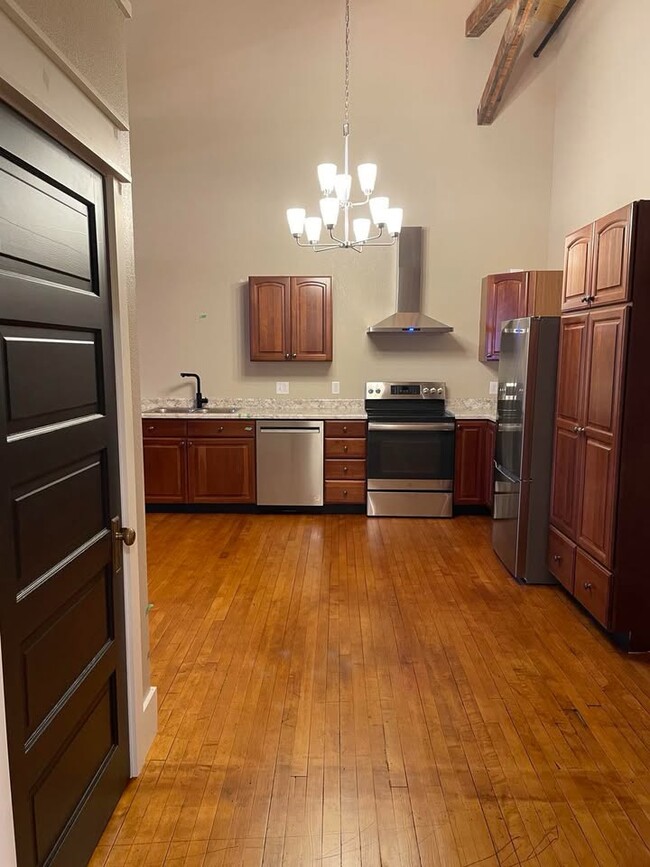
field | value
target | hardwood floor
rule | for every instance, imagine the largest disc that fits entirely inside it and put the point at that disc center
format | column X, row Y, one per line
column 343, row 691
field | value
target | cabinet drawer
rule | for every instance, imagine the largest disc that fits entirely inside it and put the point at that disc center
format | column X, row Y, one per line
column 345, row 492
column 345, row 428
column 345, row 448
column 167, row 427
column 593, row 587
column 354, row 469
column 561, row 558
column 221, row 428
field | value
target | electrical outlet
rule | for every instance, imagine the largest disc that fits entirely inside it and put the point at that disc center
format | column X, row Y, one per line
column 282, row 388
column 494, row 388
column 336, row 387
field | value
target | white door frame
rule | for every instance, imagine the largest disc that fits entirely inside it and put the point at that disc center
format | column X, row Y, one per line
column 45, row 88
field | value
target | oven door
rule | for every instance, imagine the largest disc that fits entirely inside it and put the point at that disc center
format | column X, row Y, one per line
column 411, row 456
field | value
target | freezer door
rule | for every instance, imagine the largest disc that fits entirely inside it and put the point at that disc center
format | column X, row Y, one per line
column 513, row 374
column 511, row 497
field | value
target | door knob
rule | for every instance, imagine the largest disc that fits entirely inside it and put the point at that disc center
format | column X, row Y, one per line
column 125, row 535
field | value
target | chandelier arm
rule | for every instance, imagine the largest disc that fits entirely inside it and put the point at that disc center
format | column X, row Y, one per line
column 359, row 204
column 334, row 238
column 385, row 243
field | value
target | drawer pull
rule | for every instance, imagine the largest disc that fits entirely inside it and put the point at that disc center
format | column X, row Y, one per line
column 220, row 428
column 588, row 585
column 557, row 558
column 345, row 493
column 151, row 427
column 345, row 428
column 345, row 448
column 248, row 427
column 345, row 469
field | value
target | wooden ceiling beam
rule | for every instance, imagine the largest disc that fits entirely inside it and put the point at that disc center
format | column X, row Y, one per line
column 485, row 13
column 521, row 17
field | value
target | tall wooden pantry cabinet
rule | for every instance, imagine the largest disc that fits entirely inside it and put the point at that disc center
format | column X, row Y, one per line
column 598, row 546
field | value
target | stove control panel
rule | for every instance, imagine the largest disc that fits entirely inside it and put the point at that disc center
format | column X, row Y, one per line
column 406, row 391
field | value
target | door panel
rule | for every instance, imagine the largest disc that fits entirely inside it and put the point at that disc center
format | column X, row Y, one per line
column 221, row 471
column 311, row 318
column 577, row 268
column 571, row 367
column 269, row 313
column 165, row 473
column 507, row 299
column 595, row 528
column 567, row 478
column 61, row 593
column 593, row 588
column 607, row 331
column 612, row 245
column 470, row 471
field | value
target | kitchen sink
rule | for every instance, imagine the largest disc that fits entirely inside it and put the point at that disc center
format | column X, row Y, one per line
column 214, row 410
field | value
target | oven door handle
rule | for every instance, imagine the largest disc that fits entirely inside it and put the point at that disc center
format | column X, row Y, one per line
column 399, row 426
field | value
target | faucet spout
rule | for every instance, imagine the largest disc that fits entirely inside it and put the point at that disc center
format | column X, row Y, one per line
column 199, row 400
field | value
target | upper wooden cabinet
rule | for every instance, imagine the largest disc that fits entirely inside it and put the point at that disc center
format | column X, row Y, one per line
column 290, row 318
column 597, row 262
column 514, row 295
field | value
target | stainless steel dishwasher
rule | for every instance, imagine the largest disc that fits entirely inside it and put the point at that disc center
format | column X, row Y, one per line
column 290, row 463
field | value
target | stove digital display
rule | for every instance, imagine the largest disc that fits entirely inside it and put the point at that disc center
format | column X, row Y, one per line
column 405, row 389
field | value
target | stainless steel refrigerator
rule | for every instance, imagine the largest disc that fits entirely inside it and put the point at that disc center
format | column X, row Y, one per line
column 524, row 447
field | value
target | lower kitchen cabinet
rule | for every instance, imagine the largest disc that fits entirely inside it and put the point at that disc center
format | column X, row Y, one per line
column 165, row 477
column 221, row 470
column 202, row 461
column 473, row 476
column 345, row 462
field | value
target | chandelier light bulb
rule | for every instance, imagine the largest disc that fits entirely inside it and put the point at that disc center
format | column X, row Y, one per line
column 326, row 177
column 296, row 220
column 313, row 227
column 343, row 188
column 378, row 210
column 361, row 228
column 329, row 209
column 367, row 177
column 394, row 218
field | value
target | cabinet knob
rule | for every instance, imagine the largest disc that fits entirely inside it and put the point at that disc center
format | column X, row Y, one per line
column 588, row 585
column 248, row 427
column 151, row 427
column 345, row 448
column 183, row 443
column 345, row 428
column 557, row 558
column 287, row 355
column 585, row 299
column 220, row 428
column 345, row 493
column 190, row 444
column 345, row 469
column 295, row 355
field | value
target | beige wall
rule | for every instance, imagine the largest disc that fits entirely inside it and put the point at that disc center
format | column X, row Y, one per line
column 602, row 127
column 233, row 105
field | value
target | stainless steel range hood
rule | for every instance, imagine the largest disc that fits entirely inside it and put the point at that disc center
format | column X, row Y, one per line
column 409, row 318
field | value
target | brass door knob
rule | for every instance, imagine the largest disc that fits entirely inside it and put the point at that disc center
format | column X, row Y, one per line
column 126, row 535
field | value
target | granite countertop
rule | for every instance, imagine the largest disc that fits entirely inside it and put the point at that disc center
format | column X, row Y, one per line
column 315, row 409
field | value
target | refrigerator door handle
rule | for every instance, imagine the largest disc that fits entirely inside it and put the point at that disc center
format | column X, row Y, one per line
column 508, row 476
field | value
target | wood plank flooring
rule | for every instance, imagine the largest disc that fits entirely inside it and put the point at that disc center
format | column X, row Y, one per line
column 372, row 693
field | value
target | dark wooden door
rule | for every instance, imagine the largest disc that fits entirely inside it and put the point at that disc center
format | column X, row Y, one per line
column 568, row 453
column 221, row 470
column 311, row 318
column 578, row 252
column 600, row 431
column 270, row 318
column 61, row 586
column 612, row 246
column 469, row 476
column 165, row 470
column 507, row 299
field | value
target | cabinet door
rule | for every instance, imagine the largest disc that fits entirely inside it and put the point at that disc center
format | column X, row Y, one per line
column 221, row 470
column 507, row 298
column 311, row 318
column 269, row 318
column 577, row 268
column 469, row 475
column 165, row 477
column 568, row 451
column 611, row 271
column 600, row 431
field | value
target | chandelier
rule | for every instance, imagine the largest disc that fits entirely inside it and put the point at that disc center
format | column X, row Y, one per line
column 336, row 190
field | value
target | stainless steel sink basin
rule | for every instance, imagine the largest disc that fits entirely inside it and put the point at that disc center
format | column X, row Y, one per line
column 214, row 410
column 163, row 410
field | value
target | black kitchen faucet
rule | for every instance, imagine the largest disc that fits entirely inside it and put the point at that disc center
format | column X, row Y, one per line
column 199, row 400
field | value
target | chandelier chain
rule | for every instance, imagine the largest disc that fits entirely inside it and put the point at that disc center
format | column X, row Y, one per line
column 347, row 61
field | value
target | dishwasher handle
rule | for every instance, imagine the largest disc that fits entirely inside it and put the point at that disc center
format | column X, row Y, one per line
column 291, row 430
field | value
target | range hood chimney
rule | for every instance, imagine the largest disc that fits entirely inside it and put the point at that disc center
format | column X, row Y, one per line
column 409, row 318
